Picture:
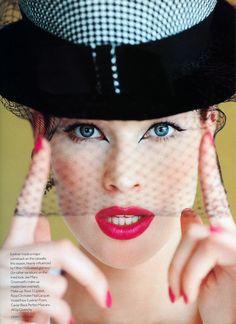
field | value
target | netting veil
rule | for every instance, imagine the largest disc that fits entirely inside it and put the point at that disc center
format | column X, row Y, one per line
column 98, row 163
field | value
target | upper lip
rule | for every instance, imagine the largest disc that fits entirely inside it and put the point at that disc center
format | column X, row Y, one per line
column 118, row 211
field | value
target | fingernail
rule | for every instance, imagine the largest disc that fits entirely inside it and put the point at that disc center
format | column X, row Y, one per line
column 211, row 138
column 71, row 321
column 108, row 300
column 187, row 211
column 171, row 295
column 38, row 145
column 215, row 229
column 184, row 297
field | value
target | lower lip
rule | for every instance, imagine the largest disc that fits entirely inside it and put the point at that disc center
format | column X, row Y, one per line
column 124, row 232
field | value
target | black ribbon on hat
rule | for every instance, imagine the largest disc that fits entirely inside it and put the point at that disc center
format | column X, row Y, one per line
column 167, row 76
column 149, row 68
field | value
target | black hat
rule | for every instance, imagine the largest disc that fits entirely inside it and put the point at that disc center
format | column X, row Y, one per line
column 119, row 59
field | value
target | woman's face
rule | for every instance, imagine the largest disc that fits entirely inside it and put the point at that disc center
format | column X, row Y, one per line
column 125, row 168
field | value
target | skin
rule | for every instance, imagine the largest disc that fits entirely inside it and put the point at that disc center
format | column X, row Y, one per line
column 177, row 250
column 120, row 171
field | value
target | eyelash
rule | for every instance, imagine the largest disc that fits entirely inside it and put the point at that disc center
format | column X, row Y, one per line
column 71, row 128
column 164, row 138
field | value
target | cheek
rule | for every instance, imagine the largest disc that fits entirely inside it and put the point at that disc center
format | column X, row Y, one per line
column 173, row 175
column 77, row 177
column 183, row 182
column 71, row 175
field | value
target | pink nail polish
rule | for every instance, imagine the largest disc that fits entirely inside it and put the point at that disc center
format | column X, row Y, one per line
column 211, row 138
column 38, row 145
column 215, row 229
column 187, row 210
column 171, row 295
column 71, row 321
column 108, row 300
column 184, row 297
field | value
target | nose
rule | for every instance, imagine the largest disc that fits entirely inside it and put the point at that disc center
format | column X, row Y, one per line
column 122, row 171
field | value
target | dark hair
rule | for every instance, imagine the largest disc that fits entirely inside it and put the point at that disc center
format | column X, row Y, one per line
column 221, row 118
column 221, row 121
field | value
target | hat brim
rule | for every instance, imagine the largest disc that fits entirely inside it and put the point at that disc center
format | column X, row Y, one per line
column 191, row 70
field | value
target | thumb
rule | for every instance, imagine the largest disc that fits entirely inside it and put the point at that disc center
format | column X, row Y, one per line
column 42, row 231
column 188, row 217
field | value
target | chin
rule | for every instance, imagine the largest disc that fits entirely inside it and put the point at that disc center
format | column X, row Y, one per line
column 123, row 254
column 120, row 256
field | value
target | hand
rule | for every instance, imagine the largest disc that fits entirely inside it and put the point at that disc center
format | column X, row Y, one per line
column 30, row 233
column 203, row 268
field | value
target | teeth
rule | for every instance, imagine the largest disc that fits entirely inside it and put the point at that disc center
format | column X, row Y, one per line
column 135, row 219
column 124, row 220
column 121, row 221
column 116, row 220
column 129, row 220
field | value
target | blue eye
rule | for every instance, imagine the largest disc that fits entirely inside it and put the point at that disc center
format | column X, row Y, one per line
column 80, row 132
column 85, row 131
column 161, row 130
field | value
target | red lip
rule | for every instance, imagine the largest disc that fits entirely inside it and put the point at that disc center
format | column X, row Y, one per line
column 124, row 232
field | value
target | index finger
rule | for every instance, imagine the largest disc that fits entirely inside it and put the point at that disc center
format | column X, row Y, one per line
column 28, row 205
column 213, row 192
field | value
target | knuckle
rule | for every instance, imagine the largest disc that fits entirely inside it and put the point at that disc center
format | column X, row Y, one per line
column 173, row 269
column 191, row 231
column 66, row 312
column 207, row 247
column 96, row 274
column 61, row 285
column 65, row 245
column 61, row 311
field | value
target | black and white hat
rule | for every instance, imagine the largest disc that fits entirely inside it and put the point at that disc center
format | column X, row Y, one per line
column 119, row 59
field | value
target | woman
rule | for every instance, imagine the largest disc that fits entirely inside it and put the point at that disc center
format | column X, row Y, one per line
column 113, row 169
column 134, row 262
